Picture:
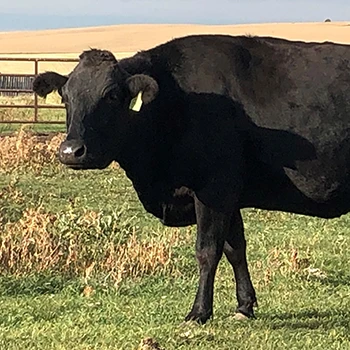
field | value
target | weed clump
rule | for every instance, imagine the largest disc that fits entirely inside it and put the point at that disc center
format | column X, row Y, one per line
column 25, row 149
column 81, row 244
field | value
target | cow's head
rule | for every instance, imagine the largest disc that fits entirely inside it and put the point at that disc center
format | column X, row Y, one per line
column 99, row 97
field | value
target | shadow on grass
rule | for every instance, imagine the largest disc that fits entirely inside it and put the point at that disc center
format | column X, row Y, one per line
column 309, row 319
column 336, row 278
column 35, row 285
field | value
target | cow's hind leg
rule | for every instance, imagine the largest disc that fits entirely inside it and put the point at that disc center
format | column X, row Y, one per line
column 235, row 251
column 212, row 229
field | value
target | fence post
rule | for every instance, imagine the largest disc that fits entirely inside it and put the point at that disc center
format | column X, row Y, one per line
column 36, row 72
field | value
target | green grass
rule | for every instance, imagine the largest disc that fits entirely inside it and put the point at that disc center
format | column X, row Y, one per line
column 9, row 128
column 300, row 267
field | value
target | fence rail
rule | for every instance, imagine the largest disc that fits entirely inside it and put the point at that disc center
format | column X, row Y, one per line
column 24, row 79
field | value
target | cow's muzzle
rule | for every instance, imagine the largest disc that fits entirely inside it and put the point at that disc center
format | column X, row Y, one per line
column 73, row 153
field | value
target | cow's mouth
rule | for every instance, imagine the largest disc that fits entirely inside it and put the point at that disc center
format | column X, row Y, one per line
column 76, row 166
column 87, row 165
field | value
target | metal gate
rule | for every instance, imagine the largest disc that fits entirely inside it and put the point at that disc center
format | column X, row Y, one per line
column 14, row 84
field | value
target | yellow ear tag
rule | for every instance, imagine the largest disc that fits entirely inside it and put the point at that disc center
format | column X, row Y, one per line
column 136, row 103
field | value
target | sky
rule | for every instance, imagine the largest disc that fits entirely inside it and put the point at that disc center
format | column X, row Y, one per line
column 44, row 14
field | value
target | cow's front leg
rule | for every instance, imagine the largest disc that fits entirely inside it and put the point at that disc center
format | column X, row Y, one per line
column 212, row 228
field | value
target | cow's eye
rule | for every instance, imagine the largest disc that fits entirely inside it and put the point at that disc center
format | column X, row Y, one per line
column 112, row 97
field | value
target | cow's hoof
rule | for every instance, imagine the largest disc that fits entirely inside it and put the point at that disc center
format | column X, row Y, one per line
column 240, row 317
column 245, row 311
column 199, row 317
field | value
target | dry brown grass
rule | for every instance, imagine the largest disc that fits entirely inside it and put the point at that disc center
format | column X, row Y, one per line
column 137, row 258
column 27, row 149
column 149, row 344
column 37, row 243
column 27, row 245
column 288, row 261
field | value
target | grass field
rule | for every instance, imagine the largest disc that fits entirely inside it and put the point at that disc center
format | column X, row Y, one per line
column 83, row 266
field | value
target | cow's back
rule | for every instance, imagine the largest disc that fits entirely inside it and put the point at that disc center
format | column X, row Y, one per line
column 280, row 83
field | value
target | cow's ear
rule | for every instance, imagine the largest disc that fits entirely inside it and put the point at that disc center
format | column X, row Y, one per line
column 47, row 82
column 143, row 86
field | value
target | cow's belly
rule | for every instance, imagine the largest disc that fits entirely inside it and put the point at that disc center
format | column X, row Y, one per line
column 173, row 209
column 321, row 187
column 289, row 191
column 327, row 176
column 178, row 215
column 179, row 209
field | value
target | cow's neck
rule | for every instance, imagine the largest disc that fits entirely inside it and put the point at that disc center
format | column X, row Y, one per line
column 138, row 153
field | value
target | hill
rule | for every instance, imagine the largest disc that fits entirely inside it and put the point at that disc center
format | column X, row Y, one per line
column 127, row 39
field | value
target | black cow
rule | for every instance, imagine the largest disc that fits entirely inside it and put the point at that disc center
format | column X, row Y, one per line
column 224, row 123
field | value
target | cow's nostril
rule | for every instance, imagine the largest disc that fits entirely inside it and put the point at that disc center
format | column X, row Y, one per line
column 72, row 152
column 80, row 152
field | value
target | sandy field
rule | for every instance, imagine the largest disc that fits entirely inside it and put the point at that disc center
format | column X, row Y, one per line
column 124, row 40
